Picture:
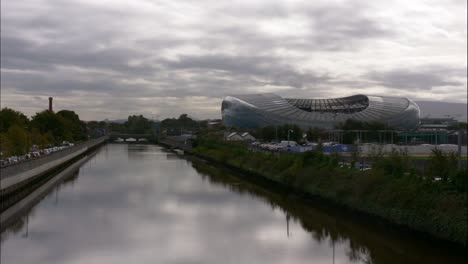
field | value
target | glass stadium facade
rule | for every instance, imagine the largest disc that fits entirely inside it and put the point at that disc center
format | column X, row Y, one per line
column 259, row 110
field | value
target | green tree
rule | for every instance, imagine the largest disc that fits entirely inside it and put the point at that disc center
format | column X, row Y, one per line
column 75, row 129
column 38, row 139
column 138, row 125
column 5, row 145
column 295, row 135
column 10, row 117
column 16, row 141
column 49, row 122
column 443, row 165
column 268, row 133
column 314, row 134
column 184, row 122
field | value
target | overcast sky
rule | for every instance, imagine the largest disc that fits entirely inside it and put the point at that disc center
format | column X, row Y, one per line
column 109, row 59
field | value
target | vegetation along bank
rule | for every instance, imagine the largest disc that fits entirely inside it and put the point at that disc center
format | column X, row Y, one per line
column 433, row 203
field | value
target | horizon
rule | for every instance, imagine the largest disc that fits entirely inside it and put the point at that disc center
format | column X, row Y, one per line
column 458, row 116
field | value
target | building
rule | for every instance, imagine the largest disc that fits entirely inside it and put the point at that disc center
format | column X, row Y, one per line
column 234, row 136
column 260, row 110
column 440, row 123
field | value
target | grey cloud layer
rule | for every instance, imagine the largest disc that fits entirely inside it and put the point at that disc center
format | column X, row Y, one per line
column 423, row 79
column 122, row 56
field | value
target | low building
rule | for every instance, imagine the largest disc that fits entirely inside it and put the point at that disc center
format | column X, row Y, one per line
column 439, row 123
column 247, row 137
column 235, row 136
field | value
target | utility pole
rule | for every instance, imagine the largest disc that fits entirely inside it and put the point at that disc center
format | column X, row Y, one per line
column 276, row 133
column 460, row 135
column 289, row 130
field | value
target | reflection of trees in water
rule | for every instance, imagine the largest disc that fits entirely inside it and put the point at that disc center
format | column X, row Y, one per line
column 358, row 253
column 322, row 227
column 69, row 179
column 18, row 226
column 134, row 151
column 366, row 243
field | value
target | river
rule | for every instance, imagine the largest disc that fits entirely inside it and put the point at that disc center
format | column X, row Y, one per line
column 142, row 204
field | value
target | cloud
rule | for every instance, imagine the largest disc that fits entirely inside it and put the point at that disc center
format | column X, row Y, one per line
column 410, row 79
column 119, row 55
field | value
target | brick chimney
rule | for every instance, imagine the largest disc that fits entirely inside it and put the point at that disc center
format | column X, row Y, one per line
column 50, row 104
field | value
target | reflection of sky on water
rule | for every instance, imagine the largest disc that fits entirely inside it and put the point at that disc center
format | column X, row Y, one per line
column 136, row 207
column 137, row 204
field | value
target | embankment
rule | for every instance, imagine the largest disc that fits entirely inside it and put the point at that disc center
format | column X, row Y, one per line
column 387, row 191
column 22, row 206
column 13, row 178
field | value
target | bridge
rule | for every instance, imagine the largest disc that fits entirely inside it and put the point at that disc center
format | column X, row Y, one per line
column 122, row 137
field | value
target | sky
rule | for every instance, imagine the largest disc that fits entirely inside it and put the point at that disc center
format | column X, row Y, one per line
column 110, row 59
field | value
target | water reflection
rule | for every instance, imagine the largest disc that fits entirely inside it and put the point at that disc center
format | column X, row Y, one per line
column 365, row 240
column 18, row 218
column 138, row 204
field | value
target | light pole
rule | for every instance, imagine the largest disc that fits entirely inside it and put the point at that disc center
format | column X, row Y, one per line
column 460, row 135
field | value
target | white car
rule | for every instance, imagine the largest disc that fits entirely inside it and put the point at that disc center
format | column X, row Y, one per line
column 13, row 159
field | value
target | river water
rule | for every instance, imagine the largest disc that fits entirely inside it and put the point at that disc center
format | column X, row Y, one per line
column 142, row 204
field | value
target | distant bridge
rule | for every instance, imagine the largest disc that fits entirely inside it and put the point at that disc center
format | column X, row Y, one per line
column 113, row 137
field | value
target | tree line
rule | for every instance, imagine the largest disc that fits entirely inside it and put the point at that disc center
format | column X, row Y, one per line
column 138, row 124
column 18, row 133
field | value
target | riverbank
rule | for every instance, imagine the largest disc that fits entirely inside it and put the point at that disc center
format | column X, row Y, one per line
column 13, row 178
column 391, row 190
column 39, row 191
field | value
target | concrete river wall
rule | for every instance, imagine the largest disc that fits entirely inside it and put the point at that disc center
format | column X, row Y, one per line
column 14, row 176
column 11, row 214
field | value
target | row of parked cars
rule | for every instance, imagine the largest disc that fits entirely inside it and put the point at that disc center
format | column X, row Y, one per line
column 292, row 146
column 34, row 153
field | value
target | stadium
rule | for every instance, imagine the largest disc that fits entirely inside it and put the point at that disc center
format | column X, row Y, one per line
column 260, row 110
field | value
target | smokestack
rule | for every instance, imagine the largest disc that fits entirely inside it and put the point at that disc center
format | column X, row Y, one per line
column 50, row 104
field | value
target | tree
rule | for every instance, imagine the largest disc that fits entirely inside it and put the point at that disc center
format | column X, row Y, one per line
column 10, row 117
column 295, row 135
column 75, row 129
column 443, row 165
column 373, row 131
column 5, row 145
column 314, row 134
column 184, row 122
column 38, row 139
column 16, row 141
column 47, row 121
column 138, row 125
column 268, row 133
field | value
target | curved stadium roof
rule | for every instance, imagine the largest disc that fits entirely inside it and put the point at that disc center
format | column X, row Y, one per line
column 258, row 110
